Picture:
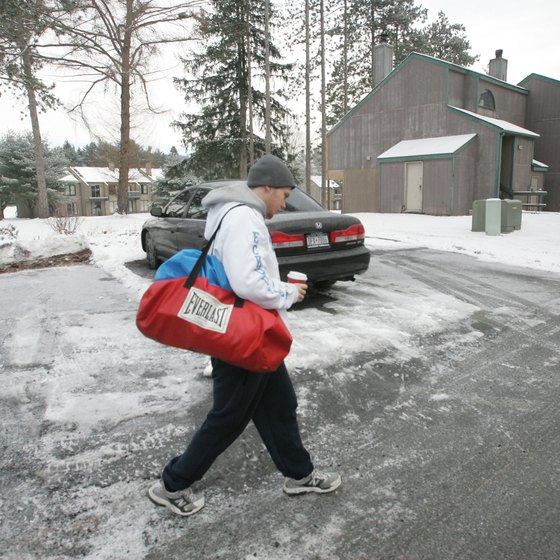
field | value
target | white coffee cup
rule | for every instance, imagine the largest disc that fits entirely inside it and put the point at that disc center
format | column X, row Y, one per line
column 297, row 277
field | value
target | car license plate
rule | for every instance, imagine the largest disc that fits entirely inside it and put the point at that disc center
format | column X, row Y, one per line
column 317, row 240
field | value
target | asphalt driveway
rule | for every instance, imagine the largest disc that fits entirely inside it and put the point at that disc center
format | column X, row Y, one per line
column 449, row 452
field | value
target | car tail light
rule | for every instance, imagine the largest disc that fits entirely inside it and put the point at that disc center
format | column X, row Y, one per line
column 353, row 233
column 281, row 240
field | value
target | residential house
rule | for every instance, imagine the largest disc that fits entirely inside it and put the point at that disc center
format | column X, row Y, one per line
column 92, row 191
column 433, row 137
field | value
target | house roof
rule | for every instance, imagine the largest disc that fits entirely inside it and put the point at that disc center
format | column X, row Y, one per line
column 69, row 178
column 95, row 175
column 418, row 56
column 540, row 77
column 504, row 126
column 536, row 163
column 437, row 146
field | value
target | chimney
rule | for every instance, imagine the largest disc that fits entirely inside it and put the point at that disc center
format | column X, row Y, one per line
column 111, row 165
column 383, row 59
column 498, row 66
column 149, row 168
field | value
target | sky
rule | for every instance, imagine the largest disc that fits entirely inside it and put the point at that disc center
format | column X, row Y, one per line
column 525, row 31
column 93, row 386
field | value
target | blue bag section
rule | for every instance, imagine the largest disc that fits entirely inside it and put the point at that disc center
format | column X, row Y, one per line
column 183, row 262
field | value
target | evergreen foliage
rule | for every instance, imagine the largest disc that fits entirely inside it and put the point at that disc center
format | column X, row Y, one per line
column 22, row 23
column 217, row 135
column 176, row 177
column 18, row 173
column 446, row 41
column 356, row 26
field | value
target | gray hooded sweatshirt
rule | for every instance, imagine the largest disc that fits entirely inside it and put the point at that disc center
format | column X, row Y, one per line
column 244, row 247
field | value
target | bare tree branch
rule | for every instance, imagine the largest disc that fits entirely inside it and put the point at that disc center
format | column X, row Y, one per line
column 114, row 41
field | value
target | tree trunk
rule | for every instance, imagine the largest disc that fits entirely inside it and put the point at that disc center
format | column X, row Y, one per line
column 242, row 124
column 372, row 43
column 250, row 90
column 124, row 156
column 324, row 200
column 307, row 102
column 267, row 135
column 345, row 61
column 42, row 204
column 242, row 57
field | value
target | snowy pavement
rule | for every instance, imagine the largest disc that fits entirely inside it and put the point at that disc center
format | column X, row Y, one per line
column 431, row 383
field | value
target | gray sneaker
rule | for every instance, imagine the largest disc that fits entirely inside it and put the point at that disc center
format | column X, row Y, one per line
column 182, row 502
column 317, row 481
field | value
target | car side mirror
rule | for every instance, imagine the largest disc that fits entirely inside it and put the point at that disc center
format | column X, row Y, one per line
column 156, row 211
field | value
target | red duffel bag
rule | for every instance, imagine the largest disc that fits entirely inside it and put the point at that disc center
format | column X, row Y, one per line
column 194, row 314
column 208, row 319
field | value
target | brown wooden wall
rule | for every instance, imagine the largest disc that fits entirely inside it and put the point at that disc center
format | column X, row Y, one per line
column 359, row 190
column 543, row 117
column 411, row 104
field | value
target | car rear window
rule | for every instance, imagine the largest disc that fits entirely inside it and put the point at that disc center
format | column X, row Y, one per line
column 298, row 201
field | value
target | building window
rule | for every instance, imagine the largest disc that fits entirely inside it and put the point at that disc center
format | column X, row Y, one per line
column 71, row 208
column 487, row 100
column 96, row 208
column 145, row 188
column 95, row 191
column 176, row 208
column 196, row 210
column 70, row 190
column 113, row 206
column 145, row 205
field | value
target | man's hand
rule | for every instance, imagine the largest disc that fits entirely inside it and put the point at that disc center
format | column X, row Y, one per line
column 302, row 289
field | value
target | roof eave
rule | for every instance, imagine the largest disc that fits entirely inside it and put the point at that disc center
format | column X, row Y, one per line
column 437, row 61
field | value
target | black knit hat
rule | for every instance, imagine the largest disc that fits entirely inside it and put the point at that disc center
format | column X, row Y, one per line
column 270, row 171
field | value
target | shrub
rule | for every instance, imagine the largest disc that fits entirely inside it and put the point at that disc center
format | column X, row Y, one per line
column 66, row 225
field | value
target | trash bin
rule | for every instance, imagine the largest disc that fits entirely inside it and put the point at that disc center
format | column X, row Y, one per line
column 511, row 215
column 479, row 215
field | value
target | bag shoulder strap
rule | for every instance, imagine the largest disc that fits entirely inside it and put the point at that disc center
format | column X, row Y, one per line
column 204, row 252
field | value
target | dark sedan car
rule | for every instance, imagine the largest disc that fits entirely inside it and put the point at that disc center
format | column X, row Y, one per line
column 324, row 245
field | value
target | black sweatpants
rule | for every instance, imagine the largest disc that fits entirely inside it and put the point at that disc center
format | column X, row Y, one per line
column 269, row 400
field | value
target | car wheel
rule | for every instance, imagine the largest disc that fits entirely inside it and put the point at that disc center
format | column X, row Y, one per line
column 151, row 255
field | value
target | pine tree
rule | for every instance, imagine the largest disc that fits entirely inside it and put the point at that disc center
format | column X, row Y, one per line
column 18, row 171
column 176, row 177
column 358, row 25
column 446, row 41
column 22, row 24
column 217, row 136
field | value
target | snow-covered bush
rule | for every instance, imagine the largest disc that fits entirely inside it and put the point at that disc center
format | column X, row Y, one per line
column 8, row 234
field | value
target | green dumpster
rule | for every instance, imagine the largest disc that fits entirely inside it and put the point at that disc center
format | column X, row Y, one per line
column 511, row 215
column 479, row 215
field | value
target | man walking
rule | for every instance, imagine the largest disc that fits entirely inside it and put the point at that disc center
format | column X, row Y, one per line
column 244, row 246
